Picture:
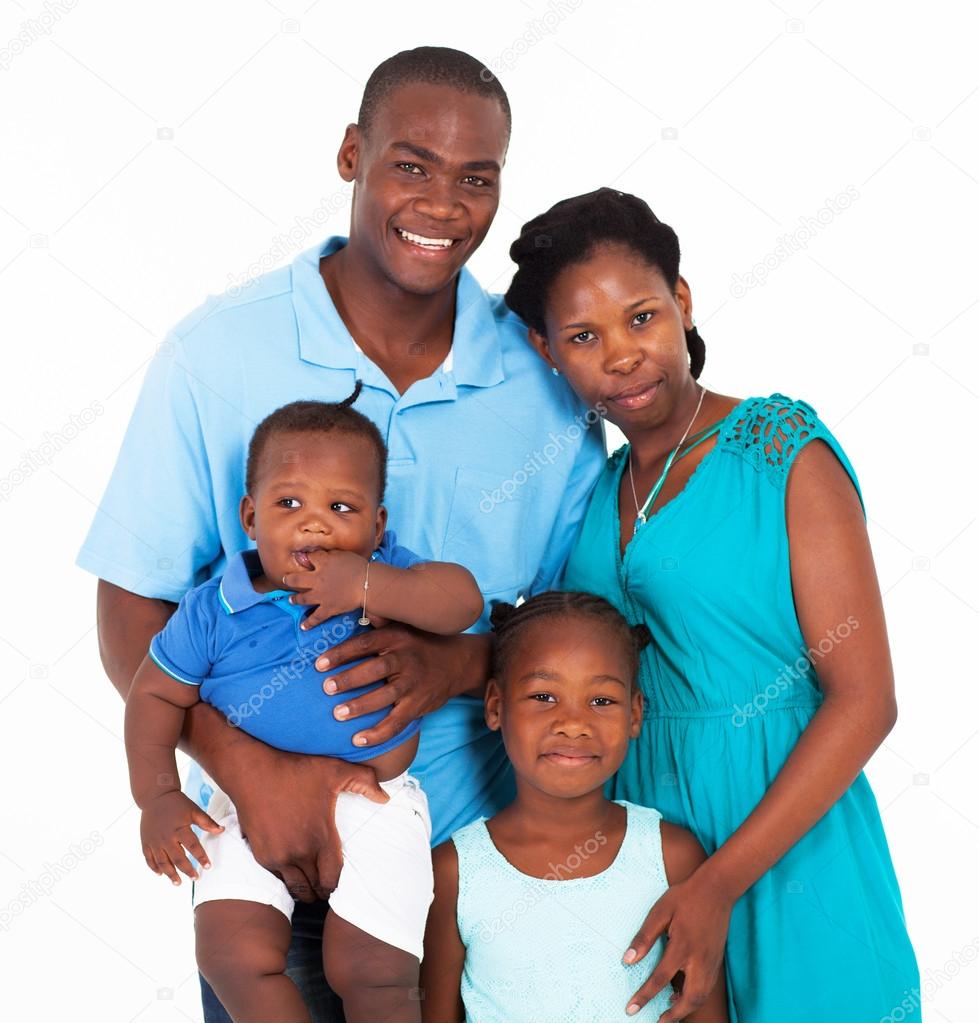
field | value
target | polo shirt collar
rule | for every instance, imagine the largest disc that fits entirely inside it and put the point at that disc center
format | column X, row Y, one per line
column 475, row 358
column 236, row 590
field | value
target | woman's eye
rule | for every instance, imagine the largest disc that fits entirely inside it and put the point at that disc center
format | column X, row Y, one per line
column 411, row 168
column 288, row 502
column 340, row 506
column 581, row 338
column 641, row 318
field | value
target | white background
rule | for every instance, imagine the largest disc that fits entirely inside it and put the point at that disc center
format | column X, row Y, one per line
column 153, row 153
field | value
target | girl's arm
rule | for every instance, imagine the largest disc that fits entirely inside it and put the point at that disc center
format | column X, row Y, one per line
column 682, row 855
column 445, row 955
column 834, row 584
column 155, row 712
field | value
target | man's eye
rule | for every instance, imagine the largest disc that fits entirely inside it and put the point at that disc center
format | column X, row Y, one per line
column 411, row 168
column 288, row 502
column 641, row 318
column 340, row 506
column 472, row 179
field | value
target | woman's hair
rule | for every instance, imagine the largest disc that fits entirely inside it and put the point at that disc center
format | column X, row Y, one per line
column 317, row 417
column 570, row 231
column 510, row 622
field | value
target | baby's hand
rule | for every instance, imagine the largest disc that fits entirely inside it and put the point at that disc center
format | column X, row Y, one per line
column 165, row 832
column 335, row 583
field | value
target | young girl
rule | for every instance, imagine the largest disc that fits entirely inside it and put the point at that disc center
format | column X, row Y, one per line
column 534, row 906
column 242, row 642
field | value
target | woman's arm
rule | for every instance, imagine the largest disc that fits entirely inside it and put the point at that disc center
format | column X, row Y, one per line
column 445, row 955
column 682, row 855
column 834, row 583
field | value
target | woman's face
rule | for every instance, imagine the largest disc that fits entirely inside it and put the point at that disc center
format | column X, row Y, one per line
column 616, row 330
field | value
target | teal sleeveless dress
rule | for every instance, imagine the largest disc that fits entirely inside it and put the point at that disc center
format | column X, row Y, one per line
column 730, row 685
column 549, row 950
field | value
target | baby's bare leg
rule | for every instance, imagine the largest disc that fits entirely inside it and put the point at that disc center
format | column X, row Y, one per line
column 375, row 980
column 241, row 950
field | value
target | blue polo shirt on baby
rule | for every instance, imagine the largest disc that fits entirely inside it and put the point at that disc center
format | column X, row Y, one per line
column 491, row 460
column 247, row 653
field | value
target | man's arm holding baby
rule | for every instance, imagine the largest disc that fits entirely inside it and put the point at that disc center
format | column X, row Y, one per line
column 294, row 838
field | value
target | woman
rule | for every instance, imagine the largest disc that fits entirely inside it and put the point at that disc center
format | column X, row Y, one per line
column 734, row 529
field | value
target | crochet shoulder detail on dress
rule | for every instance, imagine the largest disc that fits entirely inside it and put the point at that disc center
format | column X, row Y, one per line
column 769, row 432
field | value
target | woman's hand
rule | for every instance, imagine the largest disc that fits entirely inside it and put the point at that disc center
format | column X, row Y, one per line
column 423, row 671
column 295, row 837
column 694, row 915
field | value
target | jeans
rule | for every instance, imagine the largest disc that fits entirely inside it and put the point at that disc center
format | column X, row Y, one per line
column 304, row 966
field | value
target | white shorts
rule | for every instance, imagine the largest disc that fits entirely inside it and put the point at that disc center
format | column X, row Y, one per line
column 385, row 885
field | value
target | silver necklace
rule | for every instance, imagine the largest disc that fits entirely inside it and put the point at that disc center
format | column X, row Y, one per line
column 641, row 513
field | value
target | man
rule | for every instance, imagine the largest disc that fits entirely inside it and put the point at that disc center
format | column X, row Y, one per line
column 490, row 465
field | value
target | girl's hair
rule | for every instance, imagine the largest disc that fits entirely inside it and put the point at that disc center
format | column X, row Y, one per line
column 569, row 232
column 317, row 417
column 510, row 622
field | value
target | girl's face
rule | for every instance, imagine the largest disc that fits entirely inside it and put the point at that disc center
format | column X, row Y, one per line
column 567, row 707
column 616, row 330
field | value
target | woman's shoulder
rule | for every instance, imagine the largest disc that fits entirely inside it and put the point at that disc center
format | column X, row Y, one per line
column 769, row 432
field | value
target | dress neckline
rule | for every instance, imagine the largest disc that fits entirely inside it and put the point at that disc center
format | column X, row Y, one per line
column 619, row 856
column 623, row 453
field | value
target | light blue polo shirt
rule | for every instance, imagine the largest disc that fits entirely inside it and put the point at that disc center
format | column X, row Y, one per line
column 491, row 461
column 252, row 661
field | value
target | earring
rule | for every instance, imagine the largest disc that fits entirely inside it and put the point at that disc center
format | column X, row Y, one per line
column 555, row 371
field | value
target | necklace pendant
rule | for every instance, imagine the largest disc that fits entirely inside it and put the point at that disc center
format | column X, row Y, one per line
column 640, row 521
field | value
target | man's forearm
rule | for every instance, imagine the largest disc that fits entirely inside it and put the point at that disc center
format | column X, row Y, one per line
column 126, row 624
column 475, row 671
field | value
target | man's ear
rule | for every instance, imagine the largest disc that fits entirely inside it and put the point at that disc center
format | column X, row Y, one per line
column 635, row 716
column 491, row 705
column 348, row 156
column 684, row 300
column 246, row 512
column 380, row 525
column 540, row 343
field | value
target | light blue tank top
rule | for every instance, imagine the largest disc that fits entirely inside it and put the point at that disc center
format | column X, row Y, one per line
column 549, row 950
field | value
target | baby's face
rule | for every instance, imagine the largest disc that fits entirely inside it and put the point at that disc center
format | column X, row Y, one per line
column 568, row 707
column 313, row 492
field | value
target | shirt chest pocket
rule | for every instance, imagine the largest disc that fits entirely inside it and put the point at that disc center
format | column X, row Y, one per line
column 488, row 526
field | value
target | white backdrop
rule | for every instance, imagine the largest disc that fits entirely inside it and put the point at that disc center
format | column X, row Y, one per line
column 816, row 159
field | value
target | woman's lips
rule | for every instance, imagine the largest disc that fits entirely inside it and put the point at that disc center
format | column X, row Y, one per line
column 640, row 399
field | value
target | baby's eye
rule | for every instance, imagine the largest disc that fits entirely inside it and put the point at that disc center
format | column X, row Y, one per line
column 340, row 507
column 542, row 697
column 642, row 318
column 288, row 502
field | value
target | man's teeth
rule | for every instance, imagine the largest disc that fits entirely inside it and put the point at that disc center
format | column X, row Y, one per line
column 430, row 243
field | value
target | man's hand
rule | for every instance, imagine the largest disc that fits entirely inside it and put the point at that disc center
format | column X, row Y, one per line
column 335, row 583
column 165, row 833
column 423, row 672
column 286, row 804
column 695, row 915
